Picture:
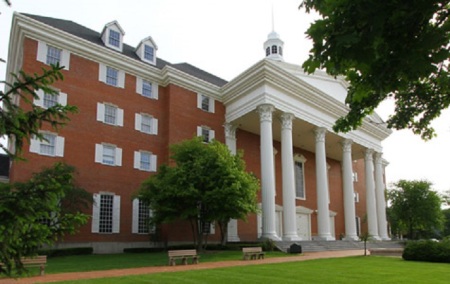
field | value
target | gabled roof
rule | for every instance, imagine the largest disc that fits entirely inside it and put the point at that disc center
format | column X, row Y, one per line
column 129, row 51
column 148, row 39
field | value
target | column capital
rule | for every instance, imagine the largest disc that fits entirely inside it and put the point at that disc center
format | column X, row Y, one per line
column 347, row 145
column 286, row 120
column 378, row 158
column 320, row 134
column 265, row 112
column 368, row 155
column 230, row 130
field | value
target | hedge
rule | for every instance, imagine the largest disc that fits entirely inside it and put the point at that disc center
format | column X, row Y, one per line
column 427, row 250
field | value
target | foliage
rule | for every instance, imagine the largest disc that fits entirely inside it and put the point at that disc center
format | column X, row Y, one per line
column 365, row 237
column 207, row 184
column 385, row 49
column 268, row 245
column 427, row 250
column 414, row 209
column 39, row 212
column 446, row 230
column 19, row 124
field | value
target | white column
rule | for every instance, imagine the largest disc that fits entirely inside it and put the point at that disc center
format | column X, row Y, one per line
column 381, row 200
column 349, row 193
column 230, row 140
column 287, row 161
column 323, row 212
column 371, row 209
column 267, row 173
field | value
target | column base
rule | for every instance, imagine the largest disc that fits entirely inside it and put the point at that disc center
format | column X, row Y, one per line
column 291, row 238
column 324, row 238
column 375, row 238
column 385, row 238
column 271, row 236
column 351, row 238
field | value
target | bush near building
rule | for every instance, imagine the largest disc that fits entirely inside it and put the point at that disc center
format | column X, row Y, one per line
column 428, row 250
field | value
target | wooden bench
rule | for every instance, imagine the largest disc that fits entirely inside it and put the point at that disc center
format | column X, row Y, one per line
column 253, row 253
column 36, row 261
column 183, row 255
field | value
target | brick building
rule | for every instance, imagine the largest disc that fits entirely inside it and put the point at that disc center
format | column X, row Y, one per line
column 315, row 184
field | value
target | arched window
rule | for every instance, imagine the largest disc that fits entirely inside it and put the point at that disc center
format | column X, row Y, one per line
column 267, row 51
column 274, row 49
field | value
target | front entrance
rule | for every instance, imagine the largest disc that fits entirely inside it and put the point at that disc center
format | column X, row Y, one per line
column 303, row 226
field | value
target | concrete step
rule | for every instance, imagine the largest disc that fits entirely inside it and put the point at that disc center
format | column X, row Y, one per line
column 312, row 246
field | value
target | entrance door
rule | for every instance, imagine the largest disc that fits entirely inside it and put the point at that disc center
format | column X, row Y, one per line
column 303, row 226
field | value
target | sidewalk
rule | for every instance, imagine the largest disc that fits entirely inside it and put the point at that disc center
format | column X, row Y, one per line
column 158, row 269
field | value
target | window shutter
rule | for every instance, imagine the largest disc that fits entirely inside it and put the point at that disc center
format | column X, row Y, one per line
column 199, row 131
column 137, row 159
column 121, row 79
column 34, row 145
column 211, row 135
column 135, row 221
column 119, row 117
column 65, row 59
column 59, row 146
column 155, row 90
column 199, row 100
column 100, row 112
column 40, row 100
column 102, row 73
column 211, row 105
column 95, row 213
column 116, row 214
column 153, row 163
column 118, row 157
column 137, row 121
column 62, row 99
column 42, row 52
column 98, row 153
column 139, row 85
column 154, row 126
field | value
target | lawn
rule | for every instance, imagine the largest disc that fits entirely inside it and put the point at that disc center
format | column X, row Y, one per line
column 338, row 270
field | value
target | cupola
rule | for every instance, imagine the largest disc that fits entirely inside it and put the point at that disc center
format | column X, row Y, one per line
column 273, row 47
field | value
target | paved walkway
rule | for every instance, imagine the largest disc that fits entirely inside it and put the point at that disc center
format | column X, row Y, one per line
column 158, row 269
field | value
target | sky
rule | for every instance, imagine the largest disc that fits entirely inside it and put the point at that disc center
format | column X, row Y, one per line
column 225, row 38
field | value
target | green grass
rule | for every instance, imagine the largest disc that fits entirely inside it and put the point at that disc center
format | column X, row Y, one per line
column 338, row 270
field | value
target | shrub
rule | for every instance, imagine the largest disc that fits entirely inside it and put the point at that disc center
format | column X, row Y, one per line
column 427, row 250
column 66, row 252
column 268, row 245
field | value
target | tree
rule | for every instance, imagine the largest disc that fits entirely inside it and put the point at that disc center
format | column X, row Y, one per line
column 446, row 230
column 19, row 124
column 39, row 212
column 206, row 184
column 415, row 209
column 385, row 49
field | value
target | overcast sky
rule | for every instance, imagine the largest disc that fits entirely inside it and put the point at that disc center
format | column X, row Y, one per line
column 225, row 38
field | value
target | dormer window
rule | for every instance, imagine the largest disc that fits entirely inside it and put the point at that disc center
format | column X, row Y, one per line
column 112, row 36
column 146, row 50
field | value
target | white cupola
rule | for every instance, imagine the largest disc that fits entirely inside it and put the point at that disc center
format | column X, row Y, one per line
column 274, row 47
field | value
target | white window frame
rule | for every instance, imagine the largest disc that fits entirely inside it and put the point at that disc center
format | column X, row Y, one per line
column 356, row 195
column 138, row 120
column 135, row 222
column 300, row 159
column 101, row 114
column 137, row 161
column 211, row 103
column 39, row 101
column 106, row 34
column 120, row 76
column 99, row 154
column 211, row 132
column 140, row 86
column 355, row 176
column 35, row 145
column 42, row 52
column 96, row 213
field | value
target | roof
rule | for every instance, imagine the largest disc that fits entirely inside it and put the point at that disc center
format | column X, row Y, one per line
column 129, row 51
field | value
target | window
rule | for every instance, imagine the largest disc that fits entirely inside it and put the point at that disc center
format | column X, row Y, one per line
column 355, row 176
column 299, row 174
column 52, row 145
column 267, row 51
column 274, row 49
column 114, row 38
column 146, row 123
column 108, row 154
column 146, row 88
column 53, row 55
column 141, row 216
column 356, row 194
column 109, row 114
column 145, row 161
column 205, row 103
column 111, row 76
column 281, row 50
column 45, row 100
column 49, row 54
column 148, row 53
column 205, row 132
column 106, row 213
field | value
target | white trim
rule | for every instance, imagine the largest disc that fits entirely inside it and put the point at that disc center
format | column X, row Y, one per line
column 120, row 79
column 153, row 163
column 137, row 160
column 95, row 213
column 118, row 155
column 65, row 59
column 119, row 118
column 40, row 100
column 135, row 218
column 62, row 99
column 116, row 214
column 154, row 127
column 102, row 72
column 139, row 85
column 101, row 112
column 155, row 90
column 34, row 145
column 137, row 121
column 99, row 153
column 42, row 52
column 59, row 146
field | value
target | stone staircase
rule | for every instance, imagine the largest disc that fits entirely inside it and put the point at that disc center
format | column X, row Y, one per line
column 312, row 246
